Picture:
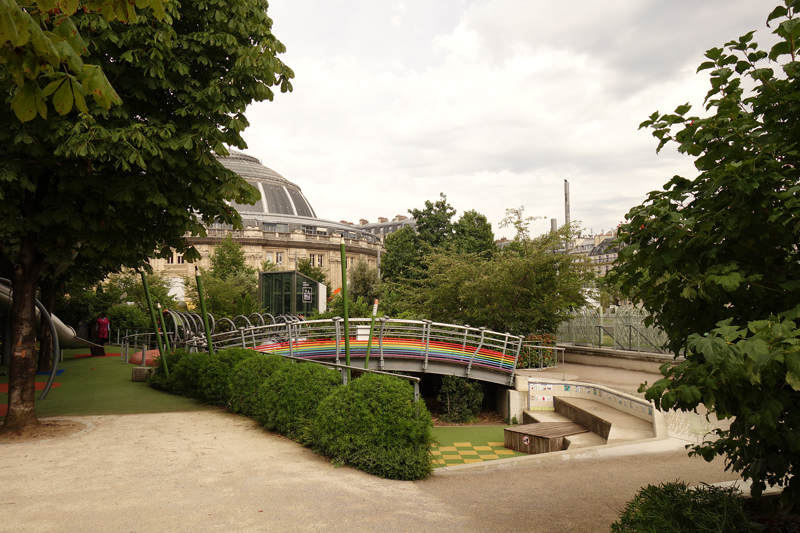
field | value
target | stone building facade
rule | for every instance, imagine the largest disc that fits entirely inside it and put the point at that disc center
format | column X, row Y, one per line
column 282, row 228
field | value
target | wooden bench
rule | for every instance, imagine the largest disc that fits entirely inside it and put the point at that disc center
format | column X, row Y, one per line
column 542, row 437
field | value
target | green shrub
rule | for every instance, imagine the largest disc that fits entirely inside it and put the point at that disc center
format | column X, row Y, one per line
column 215, row 372
column 461, row 399
column 288, row 399
column 185, row 374
column 374, row 425
column 677, row 508
column 247, row 376
column 158, row 380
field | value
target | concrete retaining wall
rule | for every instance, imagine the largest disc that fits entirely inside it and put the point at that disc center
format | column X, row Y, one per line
column 641, row 361
column 591, row 422
column 541, row 394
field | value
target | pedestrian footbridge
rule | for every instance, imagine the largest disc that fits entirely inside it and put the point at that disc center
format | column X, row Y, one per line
column 395, row 345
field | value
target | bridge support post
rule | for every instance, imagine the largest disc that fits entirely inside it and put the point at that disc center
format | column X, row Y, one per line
column 381, row 365
column 336, row 323
column 291, row 340
column 426, row 336
column 480, row 345
column 516, row 360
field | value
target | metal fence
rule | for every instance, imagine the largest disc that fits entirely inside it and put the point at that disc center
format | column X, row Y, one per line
column 624, row 329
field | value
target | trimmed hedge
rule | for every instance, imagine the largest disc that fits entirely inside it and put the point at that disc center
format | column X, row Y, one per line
column 374, row 425
column 158, row 380
column 247, row 377
column 371, row 424
column 288, row 399
column 185, row 374
column 214, row 374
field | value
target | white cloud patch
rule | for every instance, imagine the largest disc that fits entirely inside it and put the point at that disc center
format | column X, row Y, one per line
column 493, row 103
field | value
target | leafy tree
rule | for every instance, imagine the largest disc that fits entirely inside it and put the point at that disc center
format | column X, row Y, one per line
column 402, row 259
column 472, row 234
column 461, row 399
column 714, row 257
column 235, row 295
column 268, row 266
column 524, row 290
column 228, row 260
column 127, row 287
column 305, row 267
column 39, row 43
column 116, row 185
column 434, row 222
column 435, row 231
column 363, row 281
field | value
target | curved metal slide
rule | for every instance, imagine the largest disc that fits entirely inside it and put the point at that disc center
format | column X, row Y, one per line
column 67, row 338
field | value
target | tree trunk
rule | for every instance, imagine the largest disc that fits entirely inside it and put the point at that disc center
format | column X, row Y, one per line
column 45, row 341
column 22, row 371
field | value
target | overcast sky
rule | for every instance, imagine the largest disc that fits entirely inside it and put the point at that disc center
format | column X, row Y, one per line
column 494, row 103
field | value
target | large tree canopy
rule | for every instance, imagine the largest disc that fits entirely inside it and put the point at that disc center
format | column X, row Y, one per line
column 435, row 232
column 42, row 50
column 526, row 288
column 715, row 258
column 114, row 185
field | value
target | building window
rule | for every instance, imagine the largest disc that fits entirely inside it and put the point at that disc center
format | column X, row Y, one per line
column 278, row 228
column 180, row 259
column 319, row 260
column 170, row 260
column 268, row 256
column 278, row 258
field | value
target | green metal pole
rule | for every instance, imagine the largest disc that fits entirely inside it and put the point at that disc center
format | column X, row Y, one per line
column 155, row 324
column 346, row 316
column 163, row 326
column 371, row 329
column 202, row 299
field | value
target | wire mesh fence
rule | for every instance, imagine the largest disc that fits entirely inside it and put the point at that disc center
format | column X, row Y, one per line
column 623, row 329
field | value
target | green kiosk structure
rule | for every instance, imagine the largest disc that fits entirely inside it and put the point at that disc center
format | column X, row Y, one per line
column 288, row 292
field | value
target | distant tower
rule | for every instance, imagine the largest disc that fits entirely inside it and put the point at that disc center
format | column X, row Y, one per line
column 566, row 212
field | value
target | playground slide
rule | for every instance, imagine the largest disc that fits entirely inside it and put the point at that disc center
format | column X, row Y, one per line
column 66, row 335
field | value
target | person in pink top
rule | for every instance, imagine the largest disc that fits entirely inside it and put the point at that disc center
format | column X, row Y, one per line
column 103, row 327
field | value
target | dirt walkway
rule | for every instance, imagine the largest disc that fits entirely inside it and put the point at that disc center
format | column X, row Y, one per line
column 212, row 471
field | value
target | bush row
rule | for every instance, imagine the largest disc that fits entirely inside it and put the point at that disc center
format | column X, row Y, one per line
column 372, row 424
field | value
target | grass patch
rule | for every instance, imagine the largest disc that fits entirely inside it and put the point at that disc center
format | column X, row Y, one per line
column 469, row 444
column 102, row 386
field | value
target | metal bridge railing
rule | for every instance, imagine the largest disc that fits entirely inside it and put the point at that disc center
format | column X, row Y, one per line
column 426, row 343
column 423, row 340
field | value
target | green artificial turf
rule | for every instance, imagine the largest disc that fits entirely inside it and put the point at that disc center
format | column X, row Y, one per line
column 462, row 444
column 102, row 386
column 477, row 435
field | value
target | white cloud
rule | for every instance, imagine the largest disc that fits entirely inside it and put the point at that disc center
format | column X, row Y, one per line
column 492, row 103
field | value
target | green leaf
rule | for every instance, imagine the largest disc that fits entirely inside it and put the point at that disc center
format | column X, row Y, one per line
column 95, row 83
column 68, row 7
column 28, row 101
column 707, row 65
column 753, row 348
column 63, row 97
column 778, row 12
column 67, row 53
column 10, row 28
